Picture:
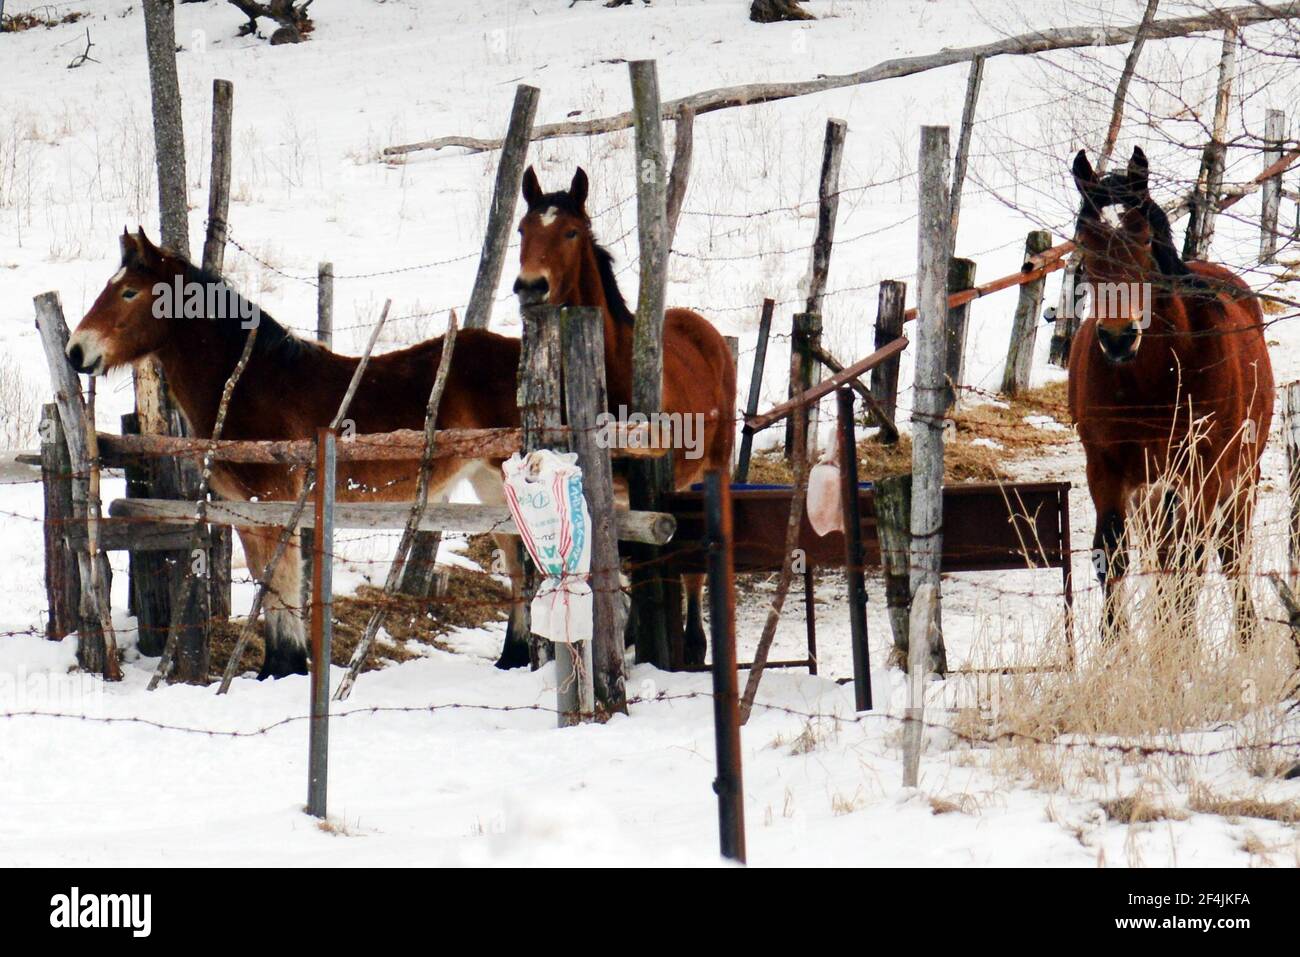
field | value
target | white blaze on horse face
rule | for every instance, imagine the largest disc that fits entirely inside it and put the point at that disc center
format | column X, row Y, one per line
column 118, row 276
column 548, row 218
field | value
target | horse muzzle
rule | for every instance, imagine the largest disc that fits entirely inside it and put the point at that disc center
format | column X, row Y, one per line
column 532, row 292
column 1119, row 346
column 85, row 354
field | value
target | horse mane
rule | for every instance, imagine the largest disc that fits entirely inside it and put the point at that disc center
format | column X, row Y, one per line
column 274, row 341
column 1114, row 189
column 618, row 307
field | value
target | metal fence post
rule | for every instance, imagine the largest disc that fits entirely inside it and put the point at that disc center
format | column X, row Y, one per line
column 322, row 625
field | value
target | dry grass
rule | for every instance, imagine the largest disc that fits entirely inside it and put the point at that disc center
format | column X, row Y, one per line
column 1204, row 801
column 964, row 460
column 1139, row 809
column 473, row 600
column 29, row 21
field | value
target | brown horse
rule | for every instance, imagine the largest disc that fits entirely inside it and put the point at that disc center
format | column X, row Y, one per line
column 1168, row 344
column 560, row 263
column 290, row 388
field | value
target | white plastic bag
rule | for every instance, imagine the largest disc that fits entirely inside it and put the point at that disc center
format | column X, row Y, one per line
column 544, row 493
column 825, row 505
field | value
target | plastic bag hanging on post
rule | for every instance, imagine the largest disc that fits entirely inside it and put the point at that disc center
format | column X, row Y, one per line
column 825, row 503
column 544, row 493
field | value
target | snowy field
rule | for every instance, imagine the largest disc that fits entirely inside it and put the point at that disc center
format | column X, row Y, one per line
column 496, row 783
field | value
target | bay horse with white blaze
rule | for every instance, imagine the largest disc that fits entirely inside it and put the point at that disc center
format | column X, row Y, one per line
column 1175, row 370
column 290, row 388
column 560, row 263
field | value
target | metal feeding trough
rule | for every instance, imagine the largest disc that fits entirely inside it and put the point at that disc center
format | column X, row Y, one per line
column 986, row 527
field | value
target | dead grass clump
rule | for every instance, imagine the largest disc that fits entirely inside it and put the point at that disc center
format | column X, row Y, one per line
column 29, row 21
column 968, row 456
column 1139, row 809
column 473, row 599
column 1204, row 801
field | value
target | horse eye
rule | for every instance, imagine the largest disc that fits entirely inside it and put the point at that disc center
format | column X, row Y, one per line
column 571, row 234
column 129, row 294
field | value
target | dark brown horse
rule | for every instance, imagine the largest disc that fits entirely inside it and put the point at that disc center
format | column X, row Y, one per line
column 1167, row 344
column 290, row 388
column 560, row 263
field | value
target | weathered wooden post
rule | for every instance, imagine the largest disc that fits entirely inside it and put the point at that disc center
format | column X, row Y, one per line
column 1024, row 328
column 891, row 305
column 214, row 242
column 683, row 145
column 1291, row 435
column 755, row 388
column 973, row 80
column 805, row 340
column 929, row 408
column 220, row 548
column 651, row 478
column 96, row 647
column 729, row 784
column 582, row 339
column 322, row 623
column 540, row 374
column 501, row 216
column 1209, row 181
column 961, row 276
column 325, row 304
column 62, row 579
column 894, row 529
column 1274, row 134
column 853, row 552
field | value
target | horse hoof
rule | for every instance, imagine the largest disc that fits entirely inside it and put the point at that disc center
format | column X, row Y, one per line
column 1293, row 773
column 282, row 662
column 513, row 655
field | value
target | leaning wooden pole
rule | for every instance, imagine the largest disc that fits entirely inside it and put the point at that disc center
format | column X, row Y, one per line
column 501, row 214
column 973, row 81
column 927, row 438
column 651, row 479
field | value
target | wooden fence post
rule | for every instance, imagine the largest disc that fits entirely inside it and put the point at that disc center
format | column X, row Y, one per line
column 582, row 339
column 501, row 216
column 891, row 305
column 62, row 578
column 755, row 388
column 853, row 553
column 973, row 80
column 927, row 434
column 325, row 304
column 894, row 529
column 1274, row 134
column 540, row 374
column 683, row 146
column 1209, row 181
column 961, row 276
column 1024, row 328
column 221, row 547
column 805, row 339
column 214, row 243
column 96, row 647
column 651, row 478
column 729, row 783
column 322, row 623
column 1291, row 435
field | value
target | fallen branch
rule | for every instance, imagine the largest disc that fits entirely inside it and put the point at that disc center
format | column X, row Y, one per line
column 1040, row 41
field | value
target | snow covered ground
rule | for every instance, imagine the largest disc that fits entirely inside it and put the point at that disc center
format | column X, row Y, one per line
column 492, row 784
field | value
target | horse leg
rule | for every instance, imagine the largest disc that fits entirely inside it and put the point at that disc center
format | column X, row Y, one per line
column 1109, row 557
column 695, row 645
column 286, row 642
column 515, row 650
column 1232, row 541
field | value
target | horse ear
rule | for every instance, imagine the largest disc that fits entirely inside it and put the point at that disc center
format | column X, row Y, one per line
column 1138, row 170
column 1083, row 173
column 578, row 188
column 532, row 188
column 137, row 249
